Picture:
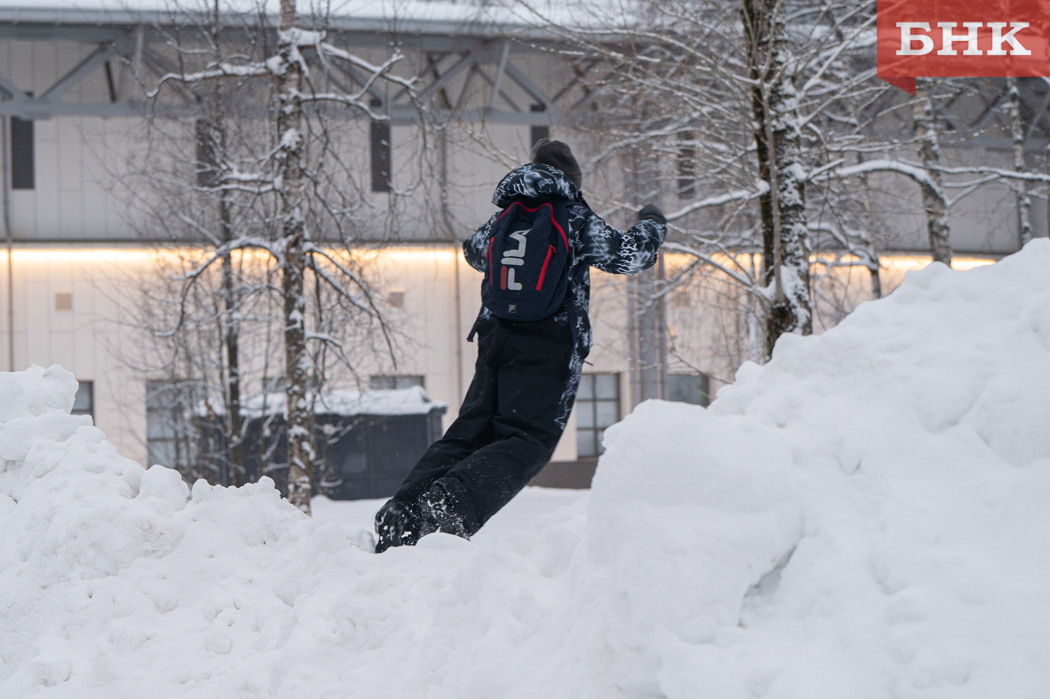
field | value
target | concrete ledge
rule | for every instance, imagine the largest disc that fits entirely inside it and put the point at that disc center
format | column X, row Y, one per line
column 567, row 474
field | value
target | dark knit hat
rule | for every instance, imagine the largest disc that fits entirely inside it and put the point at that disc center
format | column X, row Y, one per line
column 557, row 154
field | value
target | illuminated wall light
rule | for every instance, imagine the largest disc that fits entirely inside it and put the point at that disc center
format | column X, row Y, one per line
column 189, row 255
column 902, row 262
column 402, row 255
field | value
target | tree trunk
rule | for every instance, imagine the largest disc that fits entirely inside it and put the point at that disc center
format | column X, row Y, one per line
column 231, row 325
column 300, row 444
column 1024, row 203
column 869, row 223
column 930, row 153
column 231, row 328
column 211, row 155
column 785, row 258
column 869, row 236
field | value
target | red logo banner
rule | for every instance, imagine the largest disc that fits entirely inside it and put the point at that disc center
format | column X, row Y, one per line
column 962, row 38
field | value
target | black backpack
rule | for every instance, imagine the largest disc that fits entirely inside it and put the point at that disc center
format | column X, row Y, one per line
column 527, row 261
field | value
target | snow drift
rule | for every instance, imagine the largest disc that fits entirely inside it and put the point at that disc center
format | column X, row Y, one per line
column 865, row 516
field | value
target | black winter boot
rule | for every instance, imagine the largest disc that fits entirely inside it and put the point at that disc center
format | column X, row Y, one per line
column 444, row 506
column 398, row 524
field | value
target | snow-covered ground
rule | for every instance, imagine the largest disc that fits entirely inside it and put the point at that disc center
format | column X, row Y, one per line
column 866, row 516
column 522, row 515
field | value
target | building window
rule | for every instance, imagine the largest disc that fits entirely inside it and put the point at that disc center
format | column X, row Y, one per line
column 597, row 407
column 171, row 431
column 395, row 298
column 23, row 174
column 381, row 156
column 207, row 156
column 84, row 403
column 63, row 302
column 383, row 382
column 689, row 388
column 539, row 132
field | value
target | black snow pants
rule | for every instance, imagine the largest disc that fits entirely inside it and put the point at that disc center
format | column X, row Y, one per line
column 507, row 428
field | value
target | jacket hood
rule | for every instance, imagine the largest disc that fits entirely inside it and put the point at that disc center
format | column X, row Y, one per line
column 534, row 181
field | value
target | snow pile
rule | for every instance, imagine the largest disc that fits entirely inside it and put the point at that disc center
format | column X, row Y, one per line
column 865, row 516
column 868, row 515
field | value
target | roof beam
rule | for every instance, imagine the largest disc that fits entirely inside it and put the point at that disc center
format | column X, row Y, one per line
column 464, row 94
column 501, row 93
column 14, row 94
column 498, row 80
column 523, row 81
column 39, row 109
column 451, row 73
column 81, row 71
column 401, row 116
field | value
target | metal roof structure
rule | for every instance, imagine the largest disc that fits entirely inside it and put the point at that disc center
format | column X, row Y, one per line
column 453, row 38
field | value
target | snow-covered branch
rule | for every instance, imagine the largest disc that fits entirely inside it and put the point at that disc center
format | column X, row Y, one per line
column 710, row 259
column 222, row 70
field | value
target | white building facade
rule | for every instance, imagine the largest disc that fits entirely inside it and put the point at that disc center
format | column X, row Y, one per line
column 75, row 260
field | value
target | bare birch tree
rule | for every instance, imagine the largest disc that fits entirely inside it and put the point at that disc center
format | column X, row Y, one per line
column 774, row 108
column 1017, row 135
column 739, row 91
column 288, row 192
column 771, row 113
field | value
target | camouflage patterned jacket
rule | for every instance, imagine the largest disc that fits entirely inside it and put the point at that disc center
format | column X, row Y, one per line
column 592, row 243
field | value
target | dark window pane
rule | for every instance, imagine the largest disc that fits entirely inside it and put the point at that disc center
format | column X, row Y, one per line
column 380, row 382
column 688, row 388
column 158, row 426
column 597, row 407
column 161, row 452
column 171, row 427
column 23, row 172
column 606, row 385
column 84, row 403
column 585, row 414
column 585, row 444
column 586, row 391
column 380, row 156
column 607, row 413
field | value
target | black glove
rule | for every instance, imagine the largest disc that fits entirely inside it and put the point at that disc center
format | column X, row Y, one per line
column 652, row 213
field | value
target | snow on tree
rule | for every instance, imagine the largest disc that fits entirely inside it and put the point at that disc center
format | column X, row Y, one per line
column 774, row 107
column 289, row 193
column 1017, row 134
column 735, row 102
column 706, row 87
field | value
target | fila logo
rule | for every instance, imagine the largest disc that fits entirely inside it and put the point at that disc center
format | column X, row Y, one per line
column 949, row 38
column 514, row 258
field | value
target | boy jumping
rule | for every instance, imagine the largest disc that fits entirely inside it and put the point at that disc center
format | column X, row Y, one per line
column 533, row 335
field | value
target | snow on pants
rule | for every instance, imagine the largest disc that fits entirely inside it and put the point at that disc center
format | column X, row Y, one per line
column 507, row 427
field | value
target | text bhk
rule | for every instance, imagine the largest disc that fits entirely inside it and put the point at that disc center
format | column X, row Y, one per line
column 1004, row 41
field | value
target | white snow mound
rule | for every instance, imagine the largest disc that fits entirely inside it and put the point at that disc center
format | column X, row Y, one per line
column 866, row 516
